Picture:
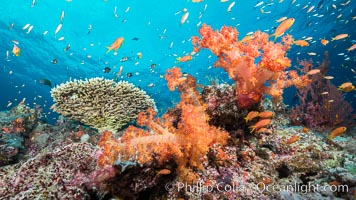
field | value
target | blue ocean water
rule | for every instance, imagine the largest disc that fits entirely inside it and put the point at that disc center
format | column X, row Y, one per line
column 152, row 28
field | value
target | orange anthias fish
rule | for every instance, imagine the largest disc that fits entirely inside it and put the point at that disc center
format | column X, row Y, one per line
column 346, row 87
column 116, row 45
column 293, row 139
column 260, row 124
column 339, row 37
column 266, row 114
column 251, row 115
column 336, row 132
column 301, row 43
column 164, row 172
column 184, row 58
column 283, row 27
column 16, row 50
column 313, row 71
column 352, row 47
column 324, row 42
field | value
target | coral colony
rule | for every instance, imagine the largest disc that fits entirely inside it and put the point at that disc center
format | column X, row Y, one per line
column 222, row 142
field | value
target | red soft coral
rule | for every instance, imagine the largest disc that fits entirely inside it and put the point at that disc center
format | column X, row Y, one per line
column 250, row 63
column 187, row 142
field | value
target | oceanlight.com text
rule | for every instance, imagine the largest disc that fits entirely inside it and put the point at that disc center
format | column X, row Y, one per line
column 202, row 188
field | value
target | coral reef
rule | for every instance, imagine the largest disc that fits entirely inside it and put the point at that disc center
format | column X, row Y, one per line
column 16, row 125
column 182, row 156
column 192, row 152
column 322, row 106
column 238, row 59
column 100, row 103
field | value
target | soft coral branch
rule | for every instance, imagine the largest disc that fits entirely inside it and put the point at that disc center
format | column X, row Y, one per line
column 187, row 142
column 250, row 63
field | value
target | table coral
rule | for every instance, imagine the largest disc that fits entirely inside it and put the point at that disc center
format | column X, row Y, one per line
column 100, row 103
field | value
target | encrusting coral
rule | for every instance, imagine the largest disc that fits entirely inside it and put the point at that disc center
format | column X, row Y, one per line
column 48, row 175
column 100, row 103
column 186, row 140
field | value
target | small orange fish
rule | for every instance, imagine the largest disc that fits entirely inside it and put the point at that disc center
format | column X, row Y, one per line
column 260, row 124
column 16, row 50
column 337, row 131
column 251, row 115
column 116, row 45
column 313, row 71
column 339, row 37
column 346, row 87
column 164, row 172
column 283, row 27
column 352, row 47
column 305, row 130
column 324, row 42
column 184, row 58
column 266, row 114
column 301, row 43
column 293, row 139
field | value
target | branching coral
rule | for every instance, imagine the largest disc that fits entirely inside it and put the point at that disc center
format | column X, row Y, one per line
column 187, row 141
column 256, row 65
column 100, row 103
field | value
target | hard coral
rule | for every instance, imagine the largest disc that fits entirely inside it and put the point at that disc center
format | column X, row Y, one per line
column 187, row 142
column 100, row 103
column 47, row 176
column 250, row 63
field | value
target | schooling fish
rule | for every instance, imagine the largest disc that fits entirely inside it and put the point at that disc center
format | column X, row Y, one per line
column 124, row 59
column 184, row 18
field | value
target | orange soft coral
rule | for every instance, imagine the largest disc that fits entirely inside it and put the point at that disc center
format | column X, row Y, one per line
column 250, row 63
column 187, row 142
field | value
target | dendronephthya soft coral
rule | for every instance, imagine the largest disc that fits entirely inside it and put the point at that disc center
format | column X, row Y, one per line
column 256, row 64
column 185, row 140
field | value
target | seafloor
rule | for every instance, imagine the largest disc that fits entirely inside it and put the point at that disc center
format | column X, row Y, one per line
column 44, row 161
